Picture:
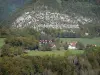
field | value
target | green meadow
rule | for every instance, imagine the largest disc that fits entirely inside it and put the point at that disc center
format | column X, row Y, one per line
column 1, row 42
column 55, row 53
column 85, row 41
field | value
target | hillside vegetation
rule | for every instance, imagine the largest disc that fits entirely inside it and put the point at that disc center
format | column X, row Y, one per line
column 86, row 8
column 73, row 49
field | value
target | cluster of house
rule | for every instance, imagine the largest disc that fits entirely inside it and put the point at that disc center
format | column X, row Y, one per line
column 46, row 41
column 51, row 42
column 71, row 45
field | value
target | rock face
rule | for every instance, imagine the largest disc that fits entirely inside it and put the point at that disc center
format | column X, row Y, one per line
column 42, row 17
column 52, row 14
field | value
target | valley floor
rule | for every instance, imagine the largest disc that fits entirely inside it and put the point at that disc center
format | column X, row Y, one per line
column 55, row 53
column 61, row 52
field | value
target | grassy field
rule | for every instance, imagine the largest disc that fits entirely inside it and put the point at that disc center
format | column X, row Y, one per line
column 1, row 42
column 62, row 52
column 55, row 53
column 83, row 40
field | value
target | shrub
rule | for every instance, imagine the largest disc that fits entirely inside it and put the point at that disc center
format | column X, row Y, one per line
column 80, row 46
column 8, row 50
column 57, row 43
column 26, row 42
column 45, row 47
column 4, row 32
column 91, row 48
column 5, row 51
column 14, row 41
column 16, row 66
column 65, row 46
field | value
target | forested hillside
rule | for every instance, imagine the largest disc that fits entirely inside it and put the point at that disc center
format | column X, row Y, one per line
column 86, row 8
column 50, row 37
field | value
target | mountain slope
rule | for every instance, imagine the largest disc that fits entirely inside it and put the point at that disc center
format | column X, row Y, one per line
column 46, row 18
column 56, row 14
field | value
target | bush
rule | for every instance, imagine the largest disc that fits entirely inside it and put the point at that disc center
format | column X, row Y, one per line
column 91, row 48
column 45, row 47
column 65, row 46
column 16, row 66
column 8, row 50
column 57, row 43
column 4, row 32
column 80, row 46
column 26, row 42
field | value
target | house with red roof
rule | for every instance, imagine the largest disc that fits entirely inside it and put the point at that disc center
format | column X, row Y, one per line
column 72, row 45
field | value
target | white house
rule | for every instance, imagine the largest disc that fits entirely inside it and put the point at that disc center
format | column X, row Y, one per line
column 72, row 45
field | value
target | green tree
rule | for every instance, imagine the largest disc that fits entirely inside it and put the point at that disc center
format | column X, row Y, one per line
column 45, row 47
column 25, row 42
column 16, row 66
column 65, row 46
column 80, row 46
column 8, row 50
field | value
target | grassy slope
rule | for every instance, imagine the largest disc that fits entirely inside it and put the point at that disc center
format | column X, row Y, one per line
column 83, row 40
column 56, row 53
column 1, row 42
